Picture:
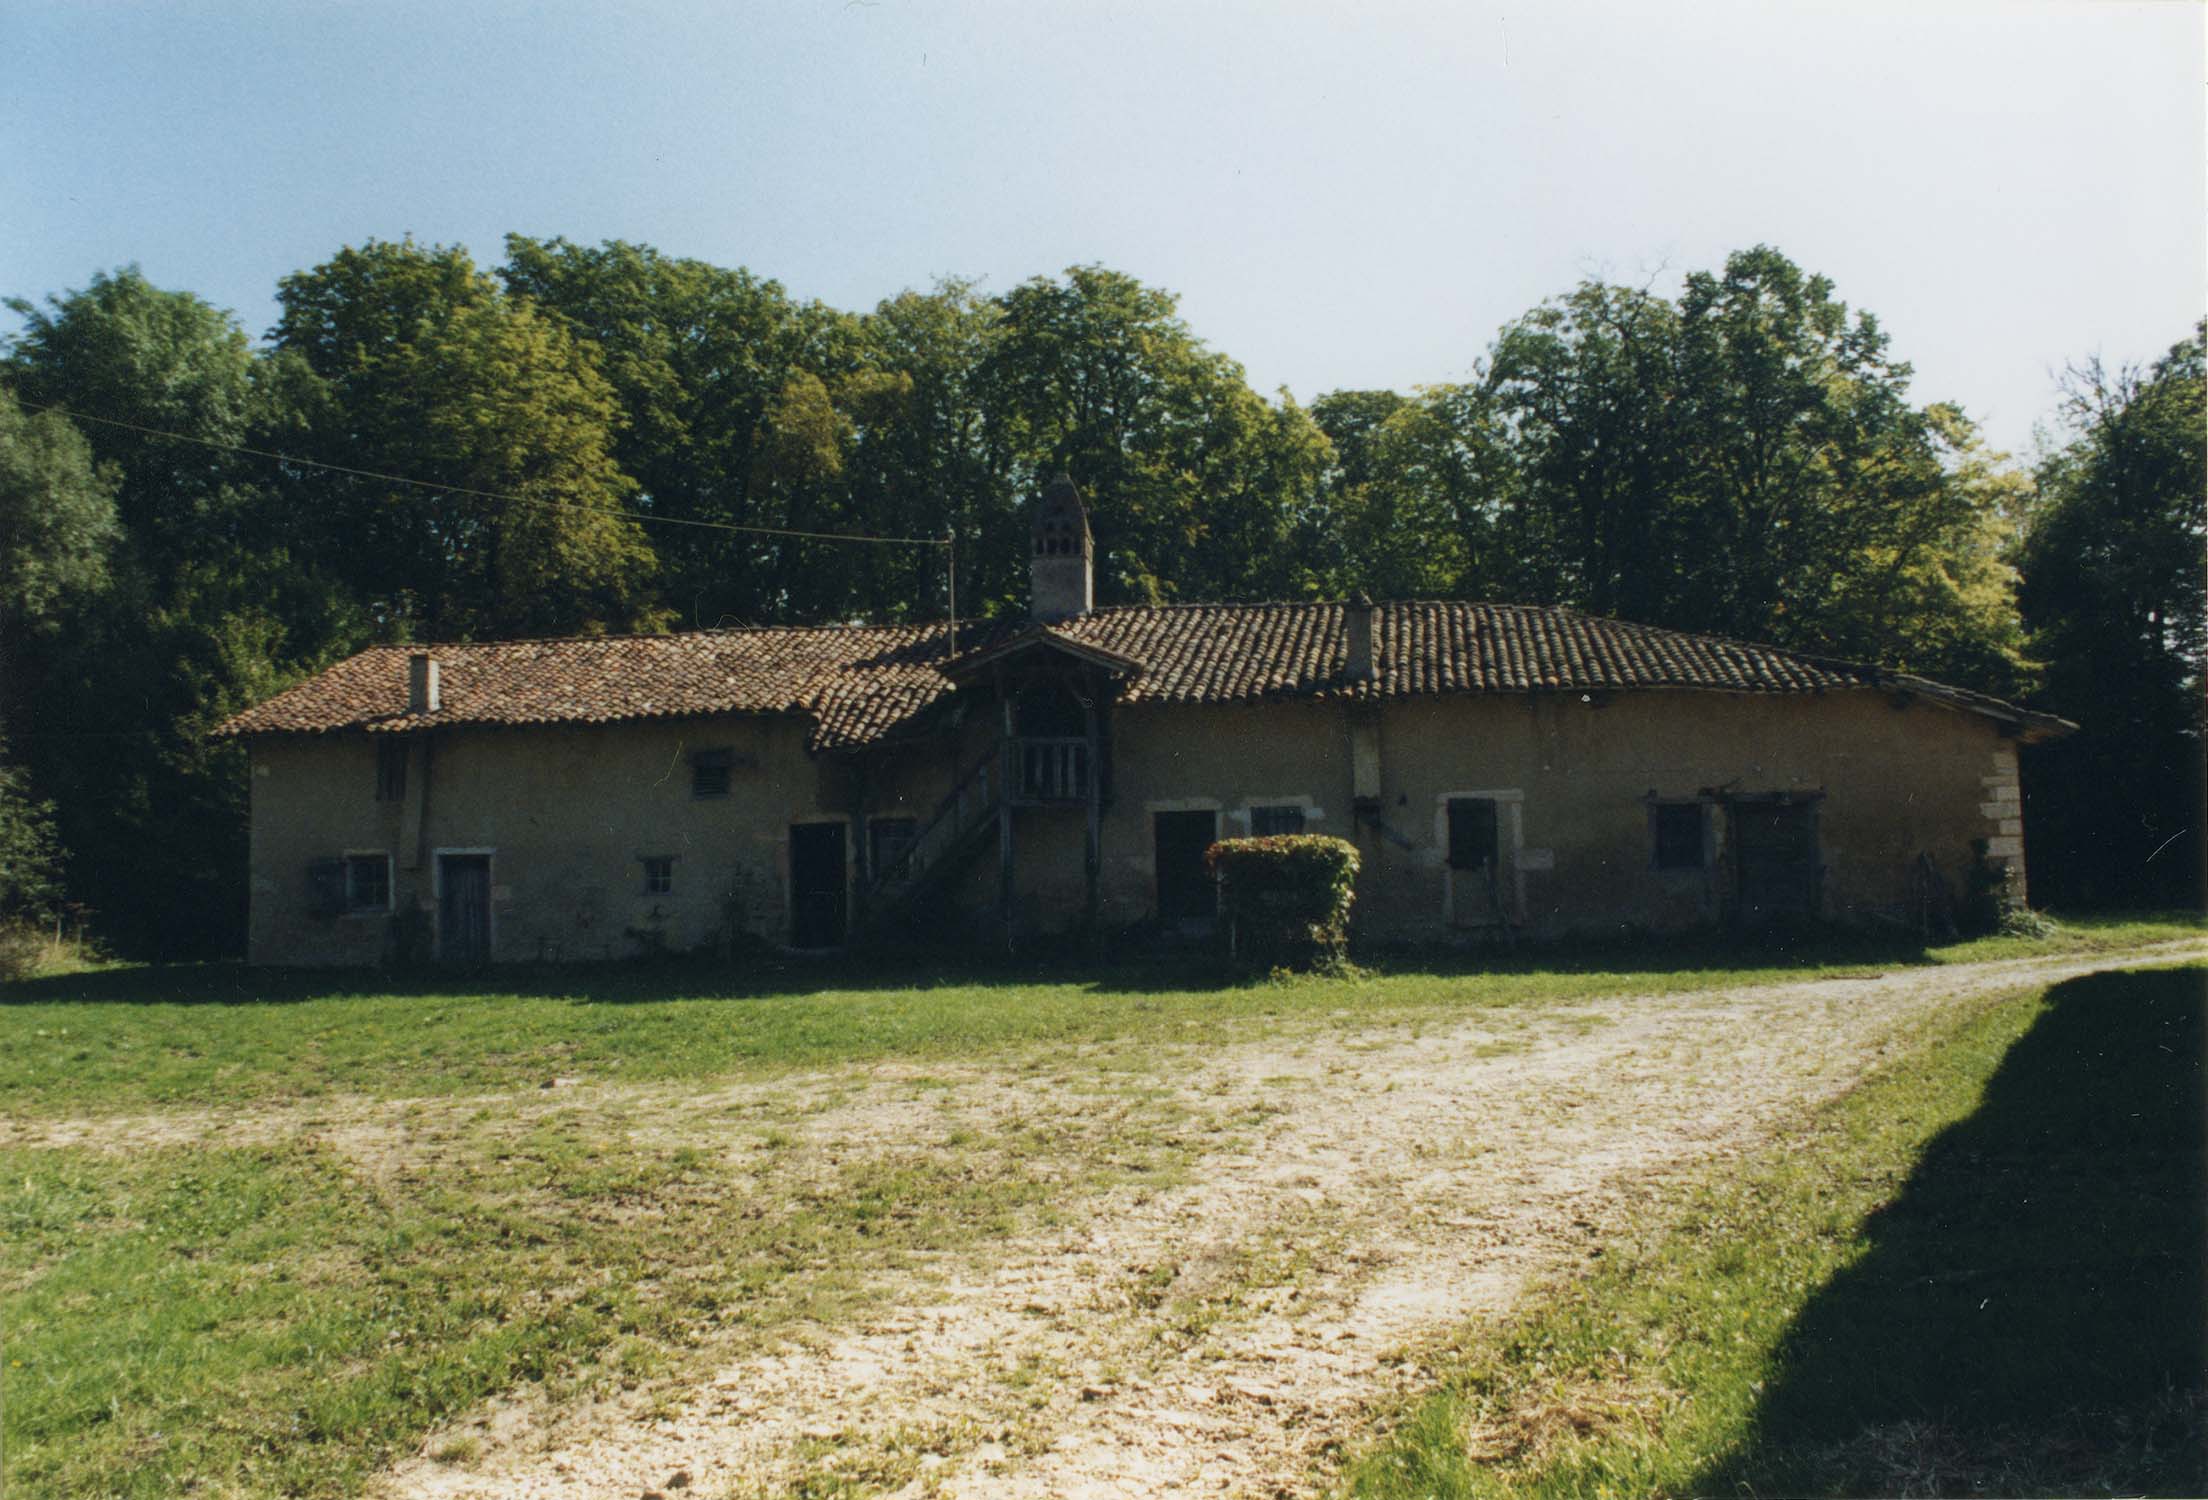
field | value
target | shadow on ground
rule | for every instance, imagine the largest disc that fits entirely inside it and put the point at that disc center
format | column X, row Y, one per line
column 2030, row 1317
column 776, row 974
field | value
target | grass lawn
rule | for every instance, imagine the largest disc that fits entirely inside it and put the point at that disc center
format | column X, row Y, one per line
column 238, row 1310
column 1979, row 1273
column 126, row 1037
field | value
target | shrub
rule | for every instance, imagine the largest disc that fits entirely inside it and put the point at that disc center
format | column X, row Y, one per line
column 23, row 950
column 30, row 859
column 1286, row 898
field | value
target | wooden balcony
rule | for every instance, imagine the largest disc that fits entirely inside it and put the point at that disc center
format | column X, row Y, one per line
column 1051, row 770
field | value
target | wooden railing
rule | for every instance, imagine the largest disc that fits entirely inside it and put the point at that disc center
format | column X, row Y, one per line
column 972, row 801
column 1051, row 770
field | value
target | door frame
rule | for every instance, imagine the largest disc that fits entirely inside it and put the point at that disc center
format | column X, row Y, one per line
column 437, row 898
column 789, row 884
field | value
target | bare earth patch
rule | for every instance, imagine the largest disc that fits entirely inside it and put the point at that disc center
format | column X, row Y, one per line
column 1356, row 1193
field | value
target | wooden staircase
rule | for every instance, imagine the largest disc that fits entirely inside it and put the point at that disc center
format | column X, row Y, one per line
column 960, row 827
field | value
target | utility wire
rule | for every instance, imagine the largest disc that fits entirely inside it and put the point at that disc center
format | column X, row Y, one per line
column 458, row 489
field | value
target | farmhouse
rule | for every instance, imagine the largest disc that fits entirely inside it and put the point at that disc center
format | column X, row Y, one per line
column 1502, row 769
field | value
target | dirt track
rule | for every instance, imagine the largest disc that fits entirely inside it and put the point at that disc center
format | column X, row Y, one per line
column 1225, row 1335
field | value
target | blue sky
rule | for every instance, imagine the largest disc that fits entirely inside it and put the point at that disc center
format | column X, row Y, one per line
column 1343, row 196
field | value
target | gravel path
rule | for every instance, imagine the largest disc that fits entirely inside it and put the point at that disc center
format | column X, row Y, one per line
column 1223, row 1336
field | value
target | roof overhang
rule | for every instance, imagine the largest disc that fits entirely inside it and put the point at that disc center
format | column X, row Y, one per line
column 2023, row 724
column 1035, row 640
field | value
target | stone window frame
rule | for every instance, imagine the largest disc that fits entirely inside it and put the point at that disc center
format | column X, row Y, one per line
column 1510, row 843
column 368, row 857
column 1245, row 817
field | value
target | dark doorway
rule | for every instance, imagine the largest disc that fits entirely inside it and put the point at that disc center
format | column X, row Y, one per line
column 1775, row 852
column 1185, row 889
column 464, row 908
column 816, row 885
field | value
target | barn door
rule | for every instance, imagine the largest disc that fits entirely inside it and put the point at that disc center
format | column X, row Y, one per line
column 817, row 887
column 464, row 907
column 1775, row 853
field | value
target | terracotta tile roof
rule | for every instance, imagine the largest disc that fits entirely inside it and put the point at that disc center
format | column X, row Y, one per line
column 856, row 683
column 860, row 684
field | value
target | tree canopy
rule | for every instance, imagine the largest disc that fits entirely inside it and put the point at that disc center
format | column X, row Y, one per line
column 2117, row 605
column 590, row 438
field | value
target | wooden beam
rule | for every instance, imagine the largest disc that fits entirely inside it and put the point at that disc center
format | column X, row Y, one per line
column 1094, row 849
column 1004, row 810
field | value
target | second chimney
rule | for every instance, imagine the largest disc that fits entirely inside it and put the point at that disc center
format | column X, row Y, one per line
column 422, row 695
column 1357, row 614
column 1062, row 569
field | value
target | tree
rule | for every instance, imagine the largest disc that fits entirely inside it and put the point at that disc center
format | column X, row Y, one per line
column 697, row 356
column 436, row 376
column 1744, row 461
column 2115, row 600
column 57, row 521
column 30, row 859
column 1195, row 482
column 138, row 363
column 1588, row 390
column 206, row 606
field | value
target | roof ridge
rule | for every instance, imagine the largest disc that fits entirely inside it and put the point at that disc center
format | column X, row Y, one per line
column 586, row 638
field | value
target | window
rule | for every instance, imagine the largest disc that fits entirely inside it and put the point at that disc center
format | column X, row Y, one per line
column 1266, row 822
column 390, row 770
column 367, row 882
column 709, row 772
column 1678, row 835
column 891, row 840
column 1472, row 833
column 659, row 874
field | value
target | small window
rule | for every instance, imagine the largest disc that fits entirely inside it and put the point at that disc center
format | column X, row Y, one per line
column 1678, row 827
column 1266, row 822
column 709, row 772
column 1472, row 833
column 891, row 842
column 367, row 882
column 659, row 874
column 390, row 770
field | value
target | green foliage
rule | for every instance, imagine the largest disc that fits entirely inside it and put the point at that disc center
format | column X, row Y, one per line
column 207, row 606
column 1288, row 896
column 438, row 376
column 57, row 520
column 1742, row 458
column 30, row 857
column 2116, row 602
column 1194, row 482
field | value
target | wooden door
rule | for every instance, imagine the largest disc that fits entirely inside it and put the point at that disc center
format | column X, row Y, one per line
column 1775, row 853
column 1186, row 891
column 817, row 887
column 464, row 907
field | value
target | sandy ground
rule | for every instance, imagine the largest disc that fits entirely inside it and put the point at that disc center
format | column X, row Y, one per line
column 1226, row 1335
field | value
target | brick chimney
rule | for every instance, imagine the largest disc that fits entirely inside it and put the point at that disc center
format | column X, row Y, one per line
column 422, row 691
column 1357, row 615
column 1062, row 560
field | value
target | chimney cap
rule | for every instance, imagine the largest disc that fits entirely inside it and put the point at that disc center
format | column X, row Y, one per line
column 1360, row 600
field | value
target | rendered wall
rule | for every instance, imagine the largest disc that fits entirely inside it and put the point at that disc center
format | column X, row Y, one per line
column 1575, row 779
column 566, row 814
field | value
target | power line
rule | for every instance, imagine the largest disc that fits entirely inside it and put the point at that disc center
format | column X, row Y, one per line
column 460, row 489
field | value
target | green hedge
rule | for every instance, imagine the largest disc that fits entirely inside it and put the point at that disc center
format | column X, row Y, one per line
column 1286, row 898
